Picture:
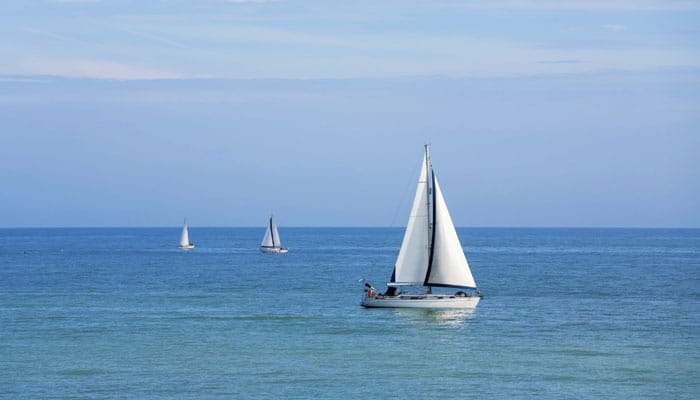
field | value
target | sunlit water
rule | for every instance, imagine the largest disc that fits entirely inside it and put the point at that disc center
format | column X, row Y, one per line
column 567, row 313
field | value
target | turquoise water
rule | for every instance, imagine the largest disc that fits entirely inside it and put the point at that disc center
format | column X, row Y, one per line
column 567, row 313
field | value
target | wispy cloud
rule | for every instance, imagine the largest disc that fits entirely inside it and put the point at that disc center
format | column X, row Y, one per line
column 560, row 62
column 347, row 55
column 583, row 5
column 309, row 39
column 68, row 40
column 74, row 1
column 155, row 38
column 614, row 27
column 15, row 79
column 251, row 1
column 85, row 68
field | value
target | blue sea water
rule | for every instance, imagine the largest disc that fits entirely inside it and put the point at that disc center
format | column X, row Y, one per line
column 567, row 314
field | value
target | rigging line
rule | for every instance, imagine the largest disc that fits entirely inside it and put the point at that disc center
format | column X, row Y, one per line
column 410, row 182
column 432, row 239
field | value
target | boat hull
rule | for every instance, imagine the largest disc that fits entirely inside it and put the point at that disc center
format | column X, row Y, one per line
column 274, row 250
column 186, row 247
column 421, row 301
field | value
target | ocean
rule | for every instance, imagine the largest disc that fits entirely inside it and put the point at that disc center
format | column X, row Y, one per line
column 566, row 314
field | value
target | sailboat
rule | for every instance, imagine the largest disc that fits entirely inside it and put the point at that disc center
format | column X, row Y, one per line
column 271, row 241
column 185, row 239
column 430, row 256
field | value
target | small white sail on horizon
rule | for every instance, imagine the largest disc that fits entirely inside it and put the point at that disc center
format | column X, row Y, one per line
column 271, row 241
column 185, row 238
column 431, row 255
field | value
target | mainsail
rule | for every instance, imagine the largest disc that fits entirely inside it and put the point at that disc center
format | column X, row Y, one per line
column 267, row 239
column 431, row 253
column 185, row 237
column 412, row 262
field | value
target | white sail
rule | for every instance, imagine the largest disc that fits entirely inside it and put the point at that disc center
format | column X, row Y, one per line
column 267, row 239
column 185, row 237
column 430, row 255
column 275, row 233
column 271, row 241
column 412, row 262
column 449, row 265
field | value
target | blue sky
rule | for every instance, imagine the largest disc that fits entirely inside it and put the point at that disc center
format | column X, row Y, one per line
column 541, row 113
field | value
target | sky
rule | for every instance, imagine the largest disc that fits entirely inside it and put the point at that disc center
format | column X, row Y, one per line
column 544, row 113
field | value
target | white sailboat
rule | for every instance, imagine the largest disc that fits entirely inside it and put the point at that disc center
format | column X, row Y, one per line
column 271, row 241
column 185, row 239
column 431, row 256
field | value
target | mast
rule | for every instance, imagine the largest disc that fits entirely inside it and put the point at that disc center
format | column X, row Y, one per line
column 272, row 232
column 428, row 169
column 431, row 255
column 427, row 188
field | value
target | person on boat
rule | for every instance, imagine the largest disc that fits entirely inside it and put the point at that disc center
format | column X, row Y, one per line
column 370, row 290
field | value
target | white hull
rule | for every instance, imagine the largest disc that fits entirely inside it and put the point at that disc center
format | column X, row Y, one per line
column 274, row 250
column 420, row 301
column 186, row 247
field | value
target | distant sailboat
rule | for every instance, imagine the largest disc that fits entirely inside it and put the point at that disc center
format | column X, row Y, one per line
column 430, row 256
column 271, row 241
column 185, row 239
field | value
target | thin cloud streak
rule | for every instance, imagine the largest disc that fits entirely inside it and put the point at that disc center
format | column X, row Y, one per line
column 383, row 54
column 614, row 27
column 512, row 5
column 251, row 1
column 574, row 5
column 74, row 1
column 561, row 61
column 95, row 69
column 221, row 46
column 156, row 38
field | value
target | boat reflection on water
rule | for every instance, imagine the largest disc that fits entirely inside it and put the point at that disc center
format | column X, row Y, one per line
column 440, row 317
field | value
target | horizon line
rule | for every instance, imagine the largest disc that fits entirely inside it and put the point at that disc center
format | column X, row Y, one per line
column 342, row 227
